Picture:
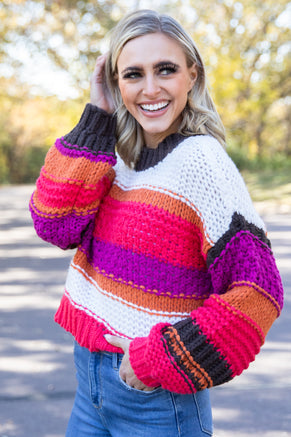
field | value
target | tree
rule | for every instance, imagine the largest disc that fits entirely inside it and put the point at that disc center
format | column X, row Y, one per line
column 246, row 44
column 69, row 33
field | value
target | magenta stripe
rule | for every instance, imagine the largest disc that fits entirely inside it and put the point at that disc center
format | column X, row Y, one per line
column 74, row 151
column 148, row 272
column 246, row 258
column 65, row 232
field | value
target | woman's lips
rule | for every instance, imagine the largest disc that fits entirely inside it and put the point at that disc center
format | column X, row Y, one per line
column 154, row 109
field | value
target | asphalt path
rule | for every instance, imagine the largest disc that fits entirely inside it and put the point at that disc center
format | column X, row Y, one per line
column 37, row 376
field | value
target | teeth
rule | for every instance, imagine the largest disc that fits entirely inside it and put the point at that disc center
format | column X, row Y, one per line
column 154, row 107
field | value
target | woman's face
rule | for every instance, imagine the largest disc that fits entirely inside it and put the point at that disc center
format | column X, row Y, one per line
column 154, row 81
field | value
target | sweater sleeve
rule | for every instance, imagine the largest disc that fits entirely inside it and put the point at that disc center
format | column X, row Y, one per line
column 220, row 338
column 76, row 175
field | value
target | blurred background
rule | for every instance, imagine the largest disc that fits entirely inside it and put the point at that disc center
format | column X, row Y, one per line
column 48, row 49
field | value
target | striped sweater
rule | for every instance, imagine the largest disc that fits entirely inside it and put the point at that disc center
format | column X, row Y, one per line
column 170, row 254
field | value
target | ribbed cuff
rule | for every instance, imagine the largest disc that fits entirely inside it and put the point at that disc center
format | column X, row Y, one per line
column 141, row 367
column 95, row 130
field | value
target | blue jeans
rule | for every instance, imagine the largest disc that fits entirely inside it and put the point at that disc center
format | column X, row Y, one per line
column 106, row 406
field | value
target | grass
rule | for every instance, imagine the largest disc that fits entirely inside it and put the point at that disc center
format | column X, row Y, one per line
column 270, row 186
column 268, row 179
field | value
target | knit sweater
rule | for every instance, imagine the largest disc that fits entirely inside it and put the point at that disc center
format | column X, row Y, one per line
column 170, row 254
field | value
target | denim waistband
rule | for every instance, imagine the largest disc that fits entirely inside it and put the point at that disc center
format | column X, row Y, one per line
column 113, row 356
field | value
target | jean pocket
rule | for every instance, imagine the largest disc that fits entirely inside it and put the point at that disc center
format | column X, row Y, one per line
column 203, row 406
column 135, row 390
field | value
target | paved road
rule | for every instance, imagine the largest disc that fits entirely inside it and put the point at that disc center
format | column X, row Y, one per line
column 37, row 376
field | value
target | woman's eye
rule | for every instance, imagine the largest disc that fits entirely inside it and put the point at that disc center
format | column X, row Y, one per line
column 167, row 69
column 131, row 75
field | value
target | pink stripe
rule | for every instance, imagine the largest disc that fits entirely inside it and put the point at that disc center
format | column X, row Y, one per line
column 180, row 377
column 164, row 367
column 81, row 323
column 151, row 362
column 234, row 334
column 60, row 195
column 150, row 231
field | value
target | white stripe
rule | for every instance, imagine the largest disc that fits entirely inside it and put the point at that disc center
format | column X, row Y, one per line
column 133, row 321
column 197, row 172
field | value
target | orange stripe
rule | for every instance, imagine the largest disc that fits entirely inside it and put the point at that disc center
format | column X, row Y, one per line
column 261, row 290
column 162, row 201
column 136, row 294
column 252, row 303
column 127, row 304
column 165, row 202
column 60, row 168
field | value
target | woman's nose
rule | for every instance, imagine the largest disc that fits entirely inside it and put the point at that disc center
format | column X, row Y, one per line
column 151, row 86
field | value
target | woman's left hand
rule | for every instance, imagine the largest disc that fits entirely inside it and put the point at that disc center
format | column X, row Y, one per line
column 126, row 371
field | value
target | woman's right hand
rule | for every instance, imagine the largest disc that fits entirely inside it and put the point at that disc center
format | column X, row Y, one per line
column 100, row 94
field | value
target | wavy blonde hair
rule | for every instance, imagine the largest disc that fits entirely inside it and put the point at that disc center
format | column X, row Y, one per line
column 199, row 115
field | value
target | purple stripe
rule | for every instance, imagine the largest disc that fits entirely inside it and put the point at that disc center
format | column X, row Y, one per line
column 65, row 232
column 246, row 258
column 142, row 271
column 73, row 151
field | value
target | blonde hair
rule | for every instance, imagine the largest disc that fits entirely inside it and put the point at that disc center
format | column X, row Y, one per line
column 198, row 117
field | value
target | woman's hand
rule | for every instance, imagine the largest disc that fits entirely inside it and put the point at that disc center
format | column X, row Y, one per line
column 100, row 95
column 126, row 371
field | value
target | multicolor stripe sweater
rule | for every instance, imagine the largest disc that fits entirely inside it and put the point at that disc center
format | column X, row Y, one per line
column 170, row 254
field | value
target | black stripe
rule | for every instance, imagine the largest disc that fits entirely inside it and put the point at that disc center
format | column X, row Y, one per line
column 202, row 351
column 95, row 130
column 150, row 157
column 238, row 223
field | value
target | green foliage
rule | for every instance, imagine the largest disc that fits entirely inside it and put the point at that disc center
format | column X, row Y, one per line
column 31, row 163
column 23, row 167
column 4, row 168
column 29, row 125
column 278, row 162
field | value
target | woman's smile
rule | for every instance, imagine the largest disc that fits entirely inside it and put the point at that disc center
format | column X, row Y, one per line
column 154, row 107
column 154, row 81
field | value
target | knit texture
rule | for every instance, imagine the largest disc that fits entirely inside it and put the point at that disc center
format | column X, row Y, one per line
column 170, row 254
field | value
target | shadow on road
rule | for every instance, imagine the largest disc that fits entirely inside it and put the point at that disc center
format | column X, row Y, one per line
column 36, row 368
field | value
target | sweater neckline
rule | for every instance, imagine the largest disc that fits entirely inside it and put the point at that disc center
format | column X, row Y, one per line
column 150, row 157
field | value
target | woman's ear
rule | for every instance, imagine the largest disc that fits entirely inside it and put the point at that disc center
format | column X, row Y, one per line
column 192, row 76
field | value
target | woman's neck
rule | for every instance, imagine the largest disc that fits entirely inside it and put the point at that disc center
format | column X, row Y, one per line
column 152, row 140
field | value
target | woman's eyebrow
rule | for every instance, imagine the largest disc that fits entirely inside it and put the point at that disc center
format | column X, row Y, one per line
column 133, row 68
column 157, row 65
column 166, row 62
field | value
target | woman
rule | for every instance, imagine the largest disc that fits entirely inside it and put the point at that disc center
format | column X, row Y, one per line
column 173, row 286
